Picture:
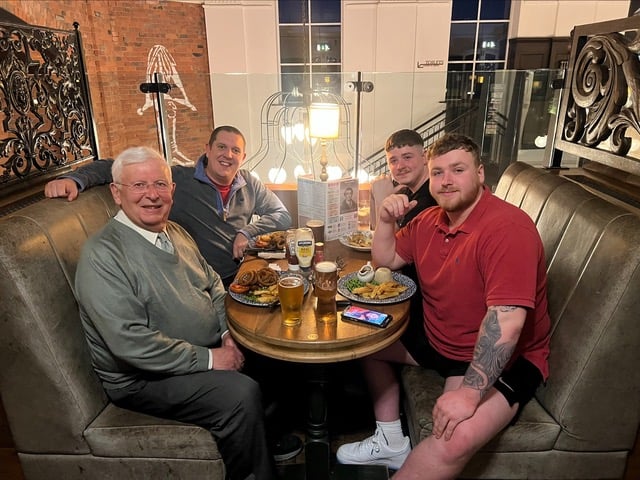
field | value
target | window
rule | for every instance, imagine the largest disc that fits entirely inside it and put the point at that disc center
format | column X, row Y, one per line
column 310, row 45
column 477, row 43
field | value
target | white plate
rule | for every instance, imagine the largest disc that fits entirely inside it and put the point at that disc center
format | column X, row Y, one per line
column 345, row 240
column 247, row 300
column 398, row 277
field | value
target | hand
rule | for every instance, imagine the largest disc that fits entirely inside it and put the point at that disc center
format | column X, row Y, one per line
column 228, row 356
column 395, row 206
column 453, row 407
column 63, row 187
column 240, row 244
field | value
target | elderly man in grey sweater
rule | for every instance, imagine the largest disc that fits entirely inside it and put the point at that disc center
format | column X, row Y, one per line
column 154, row 318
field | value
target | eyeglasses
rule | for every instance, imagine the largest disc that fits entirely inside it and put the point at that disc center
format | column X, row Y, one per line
column 142, row 187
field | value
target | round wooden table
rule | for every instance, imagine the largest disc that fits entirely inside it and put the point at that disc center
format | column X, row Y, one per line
column 316, row 342
column 313, row 341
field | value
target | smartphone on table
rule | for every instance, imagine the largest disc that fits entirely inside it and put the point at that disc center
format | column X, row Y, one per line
column 354, row 313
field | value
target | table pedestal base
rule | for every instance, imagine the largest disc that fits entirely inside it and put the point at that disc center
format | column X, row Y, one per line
column 338, row 472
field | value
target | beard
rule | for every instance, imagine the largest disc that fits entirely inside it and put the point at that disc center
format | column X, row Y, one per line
column 458, row 200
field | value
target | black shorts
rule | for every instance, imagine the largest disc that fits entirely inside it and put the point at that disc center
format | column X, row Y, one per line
column 517, row 384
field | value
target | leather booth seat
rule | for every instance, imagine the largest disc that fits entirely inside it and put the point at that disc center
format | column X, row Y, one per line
column 63, row 425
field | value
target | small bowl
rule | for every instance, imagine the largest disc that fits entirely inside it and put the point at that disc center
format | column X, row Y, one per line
column 366, row 273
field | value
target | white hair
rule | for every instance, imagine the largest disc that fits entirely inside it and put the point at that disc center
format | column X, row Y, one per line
column 134, row 155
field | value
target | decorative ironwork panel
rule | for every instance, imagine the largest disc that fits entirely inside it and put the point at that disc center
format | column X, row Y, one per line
column 600, row 113
column 44, row 105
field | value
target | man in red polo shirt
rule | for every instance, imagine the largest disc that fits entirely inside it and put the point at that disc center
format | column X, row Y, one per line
column 485, row 329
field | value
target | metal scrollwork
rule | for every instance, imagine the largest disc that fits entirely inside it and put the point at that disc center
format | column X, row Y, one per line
column 44, row 103
column 604, row 93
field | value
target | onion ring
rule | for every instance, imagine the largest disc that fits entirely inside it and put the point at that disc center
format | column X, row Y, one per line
column 267, row 277
column 247, row 278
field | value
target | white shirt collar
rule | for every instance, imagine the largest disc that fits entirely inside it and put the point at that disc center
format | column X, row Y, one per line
column 122, row 218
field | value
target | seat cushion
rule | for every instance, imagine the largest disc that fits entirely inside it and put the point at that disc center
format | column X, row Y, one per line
column 118, row 432
column 534, row 431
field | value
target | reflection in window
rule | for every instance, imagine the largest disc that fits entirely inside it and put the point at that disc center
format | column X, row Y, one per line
column 325, row 42
column 310, row 42
column 462, row 41
column 492, row 41
column 292, row 44
column 477, row 43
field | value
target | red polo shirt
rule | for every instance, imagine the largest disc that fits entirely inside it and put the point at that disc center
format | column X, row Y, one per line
column 494, row 258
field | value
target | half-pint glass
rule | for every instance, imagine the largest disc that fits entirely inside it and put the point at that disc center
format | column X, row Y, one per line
column 291, row 295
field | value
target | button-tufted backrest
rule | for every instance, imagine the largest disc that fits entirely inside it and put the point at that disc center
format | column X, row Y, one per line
column 593, row 257
column 48, row 388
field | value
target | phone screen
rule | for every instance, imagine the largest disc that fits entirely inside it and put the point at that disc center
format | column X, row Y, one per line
column 364, row 315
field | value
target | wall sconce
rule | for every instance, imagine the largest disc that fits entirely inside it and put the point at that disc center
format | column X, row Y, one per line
column 324, row 123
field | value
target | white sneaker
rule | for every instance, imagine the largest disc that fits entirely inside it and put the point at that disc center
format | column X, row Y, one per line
column 374, row 451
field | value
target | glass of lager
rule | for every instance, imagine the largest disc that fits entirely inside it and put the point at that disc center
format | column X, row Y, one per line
column 325, row 281
column 291, row 295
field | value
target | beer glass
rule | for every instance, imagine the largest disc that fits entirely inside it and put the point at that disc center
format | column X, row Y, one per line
column 291, row 295
column 325, row 281
column 364, row 214
column 317, row 227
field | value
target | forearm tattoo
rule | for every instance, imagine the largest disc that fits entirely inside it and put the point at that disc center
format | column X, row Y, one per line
column 489, row 357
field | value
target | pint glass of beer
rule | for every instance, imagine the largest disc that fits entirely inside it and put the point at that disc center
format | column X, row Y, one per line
column 291, row 295
column 325, row 281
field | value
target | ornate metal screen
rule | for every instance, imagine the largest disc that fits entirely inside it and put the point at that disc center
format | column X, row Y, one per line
column 45, row 106
column 600, row 114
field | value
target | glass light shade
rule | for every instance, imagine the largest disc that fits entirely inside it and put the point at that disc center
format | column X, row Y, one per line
column 362, row 176
column 299, row 171
column 334, row 172
column 292, row 132
column 277, row 175
column 324, row 120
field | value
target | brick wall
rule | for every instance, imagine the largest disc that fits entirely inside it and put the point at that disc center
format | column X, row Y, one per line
column 117, row 37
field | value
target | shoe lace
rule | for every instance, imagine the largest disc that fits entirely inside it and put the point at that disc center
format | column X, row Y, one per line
column 372, row 444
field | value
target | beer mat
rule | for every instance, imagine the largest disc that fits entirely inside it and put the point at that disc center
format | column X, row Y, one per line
column 358, row 240
column 249, row 300
column 398, row 277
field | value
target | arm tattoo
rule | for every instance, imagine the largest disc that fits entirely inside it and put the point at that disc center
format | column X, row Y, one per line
column 489, row 357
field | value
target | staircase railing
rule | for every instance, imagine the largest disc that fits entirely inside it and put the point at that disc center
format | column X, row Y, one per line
column 431, row 129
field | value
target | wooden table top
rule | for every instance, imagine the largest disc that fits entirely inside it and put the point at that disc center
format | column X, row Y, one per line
column 313, row 341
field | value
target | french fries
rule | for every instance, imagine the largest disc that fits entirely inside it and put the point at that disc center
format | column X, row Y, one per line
column 265, row 295
column 359, row 239
column 381, row 291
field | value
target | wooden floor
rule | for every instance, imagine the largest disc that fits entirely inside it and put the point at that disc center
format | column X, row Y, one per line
column 10, row 466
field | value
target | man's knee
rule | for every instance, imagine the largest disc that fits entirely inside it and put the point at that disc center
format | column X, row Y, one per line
column 456, row 451
column 248, row 394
